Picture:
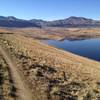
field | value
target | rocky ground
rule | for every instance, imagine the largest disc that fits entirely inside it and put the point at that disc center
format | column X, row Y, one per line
column 53, row 74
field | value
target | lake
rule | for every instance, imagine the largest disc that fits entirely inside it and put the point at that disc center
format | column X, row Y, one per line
column 89, row 48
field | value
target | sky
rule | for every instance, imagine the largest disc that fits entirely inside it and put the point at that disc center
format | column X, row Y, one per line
column 50, row 9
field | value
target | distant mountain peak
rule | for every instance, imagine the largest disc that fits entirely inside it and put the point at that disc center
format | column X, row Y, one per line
column 79, row 18
column 11, row 18
column 2, row 18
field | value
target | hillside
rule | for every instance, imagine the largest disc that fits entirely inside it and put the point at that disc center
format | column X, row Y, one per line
column 72, row 21
column 50, row 73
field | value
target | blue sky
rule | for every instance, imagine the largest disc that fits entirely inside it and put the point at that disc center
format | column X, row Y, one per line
column 50, row 9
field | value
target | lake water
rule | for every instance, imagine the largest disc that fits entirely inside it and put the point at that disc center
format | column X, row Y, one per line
column 89, row 48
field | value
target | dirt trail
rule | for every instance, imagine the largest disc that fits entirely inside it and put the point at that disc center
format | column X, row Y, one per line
column 23, row 90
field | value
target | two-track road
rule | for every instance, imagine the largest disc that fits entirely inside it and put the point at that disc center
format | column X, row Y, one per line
column 23, row 92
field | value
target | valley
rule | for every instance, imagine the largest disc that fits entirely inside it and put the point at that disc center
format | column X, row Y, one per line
column 49, row 50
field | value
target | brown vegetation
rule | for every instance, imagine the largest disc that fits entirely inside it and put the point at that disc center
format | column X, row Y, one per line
column 53, row 74
column 55, row 33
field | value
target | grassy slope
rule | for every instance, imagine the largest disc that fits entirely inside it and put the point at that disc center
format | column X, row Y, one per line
column 55, row 74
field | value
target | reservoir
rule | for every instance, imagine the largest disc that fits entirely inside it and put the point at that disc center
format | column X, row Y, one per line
column 89, row 48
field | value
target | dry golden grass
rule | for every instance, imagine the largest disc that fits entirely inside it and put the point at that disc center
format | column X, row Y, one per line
column 54, row 74
column 55, row 33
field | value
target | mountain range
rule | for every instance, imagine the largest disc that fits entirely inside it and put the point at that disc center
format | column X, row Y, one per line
column 72, row 21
